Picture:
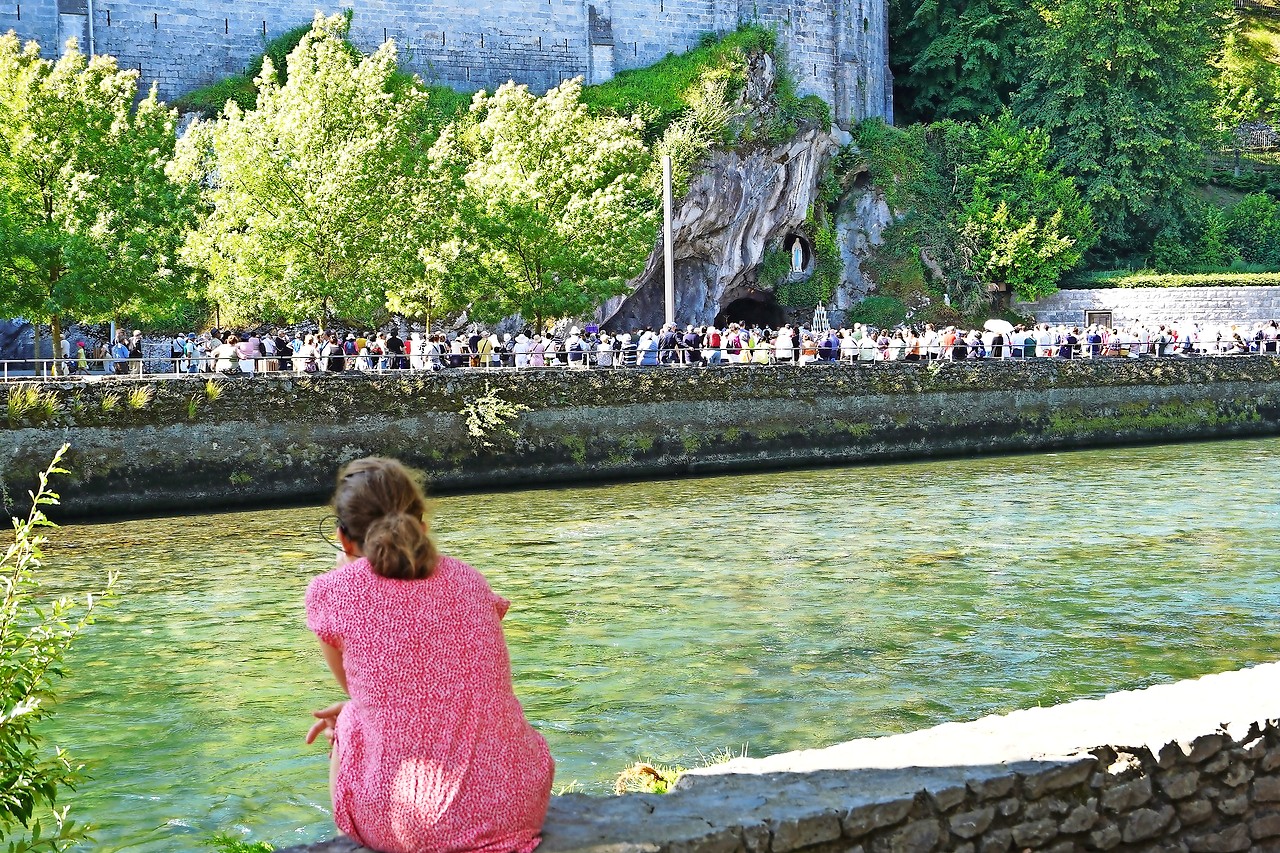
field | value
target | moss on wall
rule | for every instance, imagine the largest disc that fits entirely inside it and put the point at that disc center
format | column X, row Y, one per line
column 182, row 442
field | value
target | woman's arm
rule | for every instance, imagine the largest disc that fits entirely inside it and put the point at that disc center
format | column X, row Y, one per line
column 327, row 718
column 333, row 657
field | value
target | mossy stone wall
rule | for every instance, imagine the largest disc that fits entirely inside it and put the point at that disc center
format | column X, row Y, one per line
column 184, row 444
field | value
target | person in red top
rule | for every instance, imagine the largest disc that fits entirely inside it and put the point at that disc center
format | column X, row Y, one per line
column 432, row 751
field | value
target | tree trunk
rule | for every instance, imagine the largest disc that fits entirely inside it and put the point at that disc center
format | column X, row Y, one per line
column 55, row 332
column 35, row 355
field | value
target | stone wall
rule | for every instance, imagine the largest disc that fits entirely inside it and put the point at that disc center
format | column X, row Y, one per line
column 1191, row 766
column 1208, row 306
column 837, row 49
column 168, row 444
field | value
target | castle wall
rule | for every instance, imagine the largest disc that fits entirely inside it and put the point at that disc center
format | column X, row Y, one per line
column 836, row 49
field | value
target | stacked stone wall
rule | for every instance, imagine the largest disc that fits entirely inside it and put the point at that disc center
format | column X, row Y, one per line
column 181, row 445
column 1193, row 767
column 1208, row 306
column 31, row 19
column 837, row 49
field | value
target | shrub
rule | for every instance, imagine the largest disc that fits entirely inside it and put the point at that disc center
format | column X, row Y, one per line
column 240, row 87
column 1154, row 279
column 35, row 636
column 659, row 93
column 881, row 312
column 1253, row 227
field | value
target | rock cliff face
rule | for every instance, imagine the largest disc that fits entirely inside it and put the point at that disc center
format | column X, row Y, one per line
column 861, row 218
column 742, row 204
column 16, row 340
column 735, row 209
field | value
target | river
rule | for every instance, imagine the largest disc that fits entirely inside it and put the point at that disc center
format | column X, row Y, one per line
column 675, row 620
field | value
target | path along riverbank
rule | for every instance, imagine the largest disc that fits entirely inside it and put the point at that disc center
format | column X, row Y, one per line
column 195, row 443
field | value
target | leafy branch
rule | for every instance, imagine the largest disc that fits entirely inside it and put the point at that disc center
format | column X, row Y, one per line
column 35, row 636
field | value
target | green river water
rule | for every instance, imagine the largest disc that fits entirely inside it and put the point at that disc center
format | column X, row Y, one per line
column 672, row 620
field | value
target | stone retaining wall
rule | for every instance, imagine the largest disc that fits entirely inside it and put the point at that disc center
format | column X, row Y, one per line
column 836, row 49
column 1208, row 306
column 184, row 443
column 1191, row 766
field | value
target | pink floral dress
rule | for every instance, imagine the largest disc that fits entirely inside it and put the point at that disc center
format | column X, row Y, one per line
column 434, row 752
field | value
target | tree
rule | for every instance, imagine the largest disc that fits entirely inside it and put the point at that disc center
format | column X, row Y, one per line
column 35, row 636
column 89, row 222
column 551, row 213
column 1124, row 88
column 1252, row 225
column 316, row 197
column 1022, row 219
column 981, row 204
column 1248, row 79
column 956, row 59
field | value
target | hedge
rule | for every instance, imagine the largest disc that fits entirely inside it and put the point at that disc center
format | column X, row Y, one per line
column 1140, row 279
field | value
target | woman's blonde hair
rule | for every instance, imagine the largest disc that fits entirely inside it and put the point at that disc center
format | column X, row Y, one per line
column 380, row 505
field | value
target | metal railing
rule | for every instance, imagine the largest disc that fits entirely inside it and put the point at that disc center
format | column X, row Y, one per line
column 27, row 370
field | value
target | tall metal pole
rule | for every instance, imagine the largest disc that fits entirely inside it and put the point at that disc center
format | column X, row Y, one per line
column 668, row 251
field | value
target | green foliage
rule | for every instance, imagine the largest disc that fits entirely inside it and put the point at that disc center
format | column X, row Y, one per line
column 1248, row 76
column 1153, row 279
column 695, row 102
column 712, row 120
column 881, row 312
column 828, row 268
column 980, row 205
column 139, row 398
column 226, row 843
column 956, row 59
column 487, row 416
column 659, row 94
column 318, row 197
column 790, row 110
column 774, row 267
column 35, row 636
column 90, row 226
column 1124, row 89
column 1022, row 221
column 1252, row 225
column 242, row 88
column 551, row 213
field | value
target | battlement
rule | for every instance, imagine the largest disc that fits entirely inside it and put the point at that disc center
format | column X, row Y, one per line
column 836, row 49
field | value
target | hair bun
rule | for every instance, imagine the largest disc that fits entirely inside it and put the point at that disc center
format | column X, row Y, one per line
column 398, row 547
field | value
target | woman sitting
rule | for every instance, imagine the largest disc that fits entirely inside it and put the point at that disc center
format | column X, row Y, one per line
column 432, row 751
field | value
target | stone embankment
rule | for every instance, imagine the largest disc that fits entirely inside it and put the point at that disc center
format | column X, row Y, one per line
column 1208, row 306
column 1192, row 766
column 188, row 443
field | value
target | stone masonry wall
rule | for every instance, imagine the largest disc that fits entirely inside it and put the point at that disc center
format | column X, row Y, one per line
column 166, row 444
column 837, row 49
column 1192, row 766
column 1208, row 306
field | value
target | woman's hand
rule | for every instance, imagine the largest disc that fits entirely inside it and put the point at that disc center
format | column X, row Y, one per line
column 326, row 721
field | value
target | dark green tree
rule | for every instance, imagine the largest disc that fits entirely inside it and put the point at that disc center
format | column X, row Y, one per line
column 956, row 59
column 980, row 204
column 1124, row 88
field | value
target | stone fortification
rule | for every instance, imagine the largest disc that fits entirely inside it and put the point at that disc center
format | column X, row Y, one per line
column 837, row 49
column 171, row 444
column 1192, row 766
column 1208, row 306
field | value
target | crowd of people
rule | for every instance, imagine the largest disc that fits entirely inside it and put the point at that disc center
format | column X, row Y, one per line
column 701, row 346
